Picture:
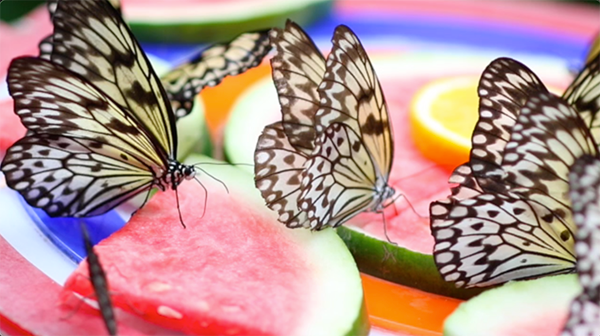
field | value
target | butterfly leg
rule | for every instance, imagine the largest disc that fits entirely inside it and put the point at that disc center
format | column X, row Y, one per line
column 385, row 229
column 179, row 209
column 205, row 196
column 393, row 201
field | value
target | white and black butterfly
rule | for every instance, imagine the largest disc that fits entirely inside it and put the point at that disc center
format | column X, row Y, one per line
column 100, row 127
column 283, row 147
column 99, row 283
column 330, row 158
column 510, row 217
column 206, row 68
column 584, row 179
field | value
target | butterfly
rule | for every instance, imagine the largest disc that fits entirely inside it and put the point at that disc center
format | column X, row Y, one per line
column 206, row 68
column 584, row 180
column 284, row 147
column 100, row 284
column 348, row 167
column 509, row 217
column 100, row 128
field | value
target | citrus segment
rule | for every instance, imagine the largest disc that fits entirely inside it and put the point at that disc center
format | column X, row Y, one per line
column 442, row 116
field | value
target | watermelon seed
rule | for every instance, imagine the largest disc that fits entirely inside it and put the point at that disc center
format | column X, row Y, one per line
column 169, row 312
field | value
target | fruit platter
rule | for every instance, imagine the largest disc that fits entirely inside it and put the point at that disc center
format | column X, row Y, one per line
column 313, row 167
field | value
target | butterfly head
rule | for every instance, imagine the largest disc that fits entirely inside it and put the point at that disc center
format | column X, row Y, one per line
column 179, row 172
column 383, row 192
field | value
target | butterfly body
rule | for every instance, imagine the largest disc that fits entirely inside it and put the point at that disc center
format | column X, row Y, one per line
column 175, row 174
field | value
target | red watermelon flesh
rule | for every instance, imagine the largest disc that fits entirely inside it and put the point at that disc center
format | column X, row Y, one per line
column 234, row 270
column 29, row 304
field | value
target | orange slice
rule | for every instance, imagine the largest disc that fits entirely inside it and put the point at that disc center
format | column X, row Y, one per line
column 442, row 116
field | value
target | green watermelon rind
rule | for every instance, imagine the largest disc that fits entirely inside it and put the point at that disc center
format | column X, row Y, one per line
column 399, row 264
column 340, row 309
column 222, row 29
column 520, row 305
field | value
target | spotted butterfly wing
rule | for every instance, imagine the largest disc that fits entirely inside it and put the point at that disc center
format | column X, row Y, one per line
column 584, row 178
column 283, row 147
column 99, row 283
column 584, row 95
column 278, row 166
column 348, row 171
column 211, row 66
column 46, row 44
column 207, row 68
column 100, row 47
column 298, row 68
column 96, row 136
column 488, row 238
column 340, row 179
column 504, row 87
column 70, row 163
column 547, row 139
column 351, row 94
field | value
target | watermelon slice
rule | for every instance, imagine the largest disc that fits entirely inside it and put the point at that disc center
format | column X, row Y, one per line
column 234, row 270
column 29, row 305
column 418, row 178
column 524, row 308
column 214, row 21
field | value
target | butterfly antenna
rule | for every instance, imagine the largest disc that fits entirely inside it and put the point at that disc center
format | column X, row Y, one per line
column 223, row 164
column 205, row 196
column 179, row 209
column 214, row 178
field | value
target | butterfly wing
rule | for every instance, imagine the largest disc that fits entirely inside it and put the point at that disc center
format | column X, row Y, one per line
column 350, row 93
column 91, row 39
column 584, row 178
column 504, row 87
column 82, row 155
column 339, row 179
column 584, row 95
column 493, row 238
column 211, row 66
column 547, row 139
column 277, row 170
column 297, row 69
column 46, row 45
